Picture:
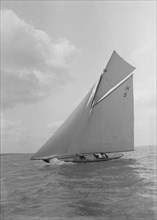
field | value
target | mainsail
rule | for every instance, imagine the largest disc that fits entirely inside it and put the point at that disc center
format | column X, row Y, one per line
column 103, row 121
column 116, row 70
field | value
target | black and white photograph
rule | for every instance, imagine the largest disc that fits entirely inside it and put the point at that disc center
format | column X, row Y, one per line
column 78, row 110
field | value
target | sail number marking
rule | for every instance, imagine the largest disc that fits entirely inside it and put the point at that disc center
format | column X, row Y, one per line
column 126, row 89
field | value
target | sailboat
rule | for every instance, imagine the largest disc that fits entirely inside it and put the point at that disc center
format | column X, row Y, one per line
column 102, row 125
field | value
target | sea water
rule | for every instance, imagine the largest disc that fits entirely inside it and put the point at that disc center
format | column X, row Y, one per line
column 119, row 189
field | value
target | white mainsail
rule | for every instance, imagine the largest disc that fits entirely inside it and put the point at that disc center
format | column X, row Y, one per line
column 103, row 121
column 110, row 126
column 116, row 70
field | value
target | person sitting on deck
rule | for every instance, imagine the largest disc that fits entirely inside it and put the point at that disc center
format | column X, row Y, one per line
column 82, row 157
column 104, row 155
column 97, row 155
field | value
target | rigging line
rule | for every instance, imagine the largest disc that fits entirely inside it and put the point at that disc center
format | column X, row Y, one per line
column 92, row 104
column 113, row 89
column 95, row 92
column 92, row 92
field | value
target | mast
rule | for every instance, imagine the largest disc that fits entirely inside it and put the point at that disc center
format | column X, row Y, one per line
column 93, row 101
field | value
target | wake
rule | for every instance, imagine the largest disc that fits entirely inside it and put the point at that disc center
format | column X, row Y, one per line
column 55, row 161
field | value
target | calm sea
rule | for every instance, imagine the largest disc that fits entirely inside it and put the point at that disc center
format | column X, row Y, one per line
column 118, row 190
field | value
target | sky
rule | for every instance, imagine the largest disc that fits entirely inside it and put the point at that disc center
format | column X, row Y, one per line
column 52, row 52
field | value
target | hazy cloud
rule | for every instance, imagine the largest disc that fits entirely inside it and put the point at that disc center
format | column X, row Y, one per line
column 11, row 129
column 11, row 134
column 32, row 65
column 54, row 126
column 16, row 136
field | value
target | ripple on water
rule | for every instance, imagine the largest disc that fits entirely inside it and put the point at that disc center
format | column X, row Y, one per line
column 120, row 189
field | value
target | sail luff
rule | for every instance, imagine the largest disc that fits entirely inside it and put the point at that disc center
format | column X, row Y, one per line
column 98, row 84
column 114, row 52
column 93, row 101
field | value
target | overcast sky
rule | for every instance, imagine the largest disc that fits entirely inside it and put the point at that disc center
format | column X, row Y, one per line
column 53, row 52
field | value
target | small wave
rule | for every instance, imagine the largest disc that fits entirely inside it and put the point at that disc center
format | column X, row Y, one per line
column 24, row 217
column 55, row 161
column 39, row 190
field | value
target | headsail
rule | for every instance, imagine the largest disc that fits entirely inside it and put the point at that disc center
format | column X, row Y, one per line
column 60, row 141
column 103, row 122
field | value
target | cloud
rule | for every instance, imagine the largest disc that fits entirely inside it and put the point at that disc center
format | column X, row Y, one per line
column 10, row 128
column 16, row 137
column 11, row 134
column 33, row 66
